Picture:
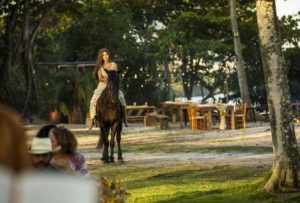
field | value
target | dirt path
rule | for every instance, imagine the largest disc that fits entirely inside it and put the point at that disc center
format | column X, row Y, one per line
column 257, row 135
column 156, row 159
column 252, row 136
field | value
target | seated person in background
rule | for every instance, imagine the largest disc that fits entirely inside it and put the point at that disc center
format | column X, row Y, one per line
column 13, row 150
column 68, row 154
column 40, row 151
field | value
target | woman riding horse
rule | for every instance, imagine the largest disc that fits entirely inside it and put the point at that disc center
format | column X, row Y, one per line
column 103, row 63
column 110, row 116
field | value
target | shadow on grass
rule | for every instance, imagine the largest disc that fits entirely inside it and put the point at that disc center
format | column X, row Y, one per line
column 213, row 174
column 243, row 194
column 193, row 196
column 167, row 148
column 194, row 183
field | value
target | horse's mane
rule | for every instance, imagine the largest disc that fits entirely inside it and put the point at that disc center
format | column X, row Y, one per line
column 113, row 80
column 114, row 77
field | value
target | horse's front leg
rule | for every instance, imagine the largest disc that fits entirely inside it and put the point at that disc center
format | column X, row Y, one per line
column 104, row 135
column 112, row 143
column 119, row 130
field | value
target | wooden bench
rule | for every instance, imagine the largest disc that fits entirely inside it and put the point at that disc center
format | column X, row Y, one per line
column 138, row 118
column 138, row 113
column 135, row 118
column 152, row 118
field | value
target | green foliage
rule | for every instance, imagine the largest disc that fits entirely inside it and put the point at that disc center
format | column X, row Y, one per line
column 158, row 46
column 64, row 89
column 292, row 56
column 289, row 31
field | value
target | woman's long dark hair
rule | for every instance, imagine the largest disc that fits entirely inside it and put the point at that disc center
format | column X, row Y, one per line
column 99, row 62
column 66, row 139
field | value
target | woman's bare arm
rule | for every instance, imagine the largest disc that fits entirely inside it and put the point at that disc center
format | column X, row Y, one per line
column 100, row 76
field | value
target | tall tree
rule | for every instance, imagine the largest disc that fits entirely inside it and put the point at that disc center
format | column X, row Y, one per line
column 10, row 13
column 27, row 55
column 244, row 91
column 21, row 22
column 286, row 155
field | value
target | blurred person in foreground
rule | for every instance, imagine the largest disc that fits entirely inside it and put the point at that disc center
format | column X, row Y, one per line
column 19, row 184
column 13, row 150
column 14, row 158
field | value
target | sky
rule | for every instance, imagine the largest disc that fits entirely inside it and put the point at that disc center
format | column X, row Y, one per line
column 287, row 7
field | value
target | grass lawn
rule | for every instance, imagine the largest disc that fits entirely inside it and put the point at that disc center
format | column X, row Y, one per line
column 166, row 182
column 193, row 183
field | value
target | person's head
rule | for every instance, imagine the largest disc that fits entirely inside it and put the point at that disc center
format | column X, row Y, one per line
column 41, row 152
column 103, row 55
column 65, row 139
column 13, row 149
column 45, row 130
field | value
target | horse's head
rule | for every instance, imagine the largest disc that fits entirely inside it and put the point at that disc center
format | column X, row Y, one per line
column 113, row 85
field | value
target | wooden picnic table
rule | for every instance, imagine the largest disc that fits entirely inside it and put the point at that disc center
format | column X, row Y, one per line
column 182, row 108
column 177, row 107
column 139, row 112
column 222, row 109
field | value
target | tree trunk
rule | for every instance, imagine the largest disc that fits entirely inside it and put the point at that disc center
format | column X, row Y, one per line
column 168, row 80
column 5, row 66
column 27, row 59
column 244, row 91
column 6, row 61
column 187, row 88
column 202, row 92
column 2, row 2
column 286, row 155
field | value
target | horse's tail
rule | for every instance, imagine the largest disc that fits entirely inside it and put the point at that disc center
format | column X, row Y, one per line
column 100, row 143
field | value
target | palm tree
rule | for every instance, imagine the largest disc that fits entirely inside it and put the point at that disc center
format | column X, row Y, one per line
column 244, row 90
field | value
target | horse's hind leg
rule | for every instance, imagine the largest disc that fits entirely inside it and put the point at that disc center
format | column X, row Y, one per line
column 104, row 134
column 112, row 144
column 119, row 130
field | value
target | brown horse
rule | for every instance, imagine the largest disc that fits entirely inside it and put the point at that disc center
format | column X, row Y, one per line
column 110, row 117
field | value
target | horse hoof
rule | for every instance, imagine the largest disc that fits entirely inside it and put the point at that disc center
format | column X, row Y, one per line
column 105, row 162
column 120, row 161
